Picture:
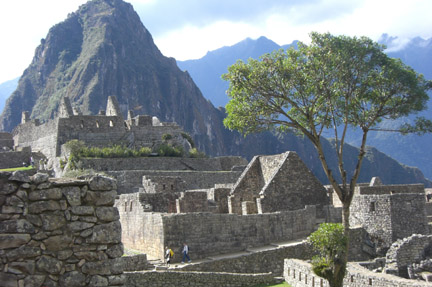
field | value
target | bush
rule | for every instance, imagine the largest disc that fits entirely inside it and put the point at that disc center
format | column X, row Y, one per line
column 166, row 137
column 169, row 150
column 189, row 139
column 330, row 242
column 195, row 153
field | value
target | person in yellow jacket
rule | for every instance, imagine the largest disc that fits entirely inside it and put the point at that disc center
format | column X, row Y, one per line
column 168, row 254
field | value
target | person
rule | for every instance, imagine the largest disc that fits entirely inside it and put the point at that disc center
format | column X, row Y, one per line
column 186, row 253
column 31, row 161
column 168, row 254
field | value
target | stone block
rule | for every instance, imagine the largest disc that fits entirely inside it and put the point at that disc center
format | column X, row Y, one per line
column 73, row 195
column 100, row 198
column 100, row 183
column 46, row 194
column 82, row 210
column 8, row 280
column 20, row 176
column 16, row 226
column 52, row 222
column 107, row 213
column 49, row 265
column 41, row 206
column 106, row 233
column 13, row 240
column 72, row 279
column 98, row 281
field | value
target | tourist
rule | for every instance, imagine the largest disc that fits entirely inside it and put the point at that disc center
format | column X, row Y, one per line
column 185, row 253
column 168, row 254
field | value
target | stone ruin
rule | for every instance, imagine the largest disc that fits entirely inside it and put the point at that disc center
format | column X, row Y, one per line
column 105, row 129
column 218, row 205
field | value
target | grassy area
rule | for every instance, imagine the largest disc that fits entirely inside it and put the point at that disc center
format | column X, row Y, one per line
column 18, row 168
column 277, row 285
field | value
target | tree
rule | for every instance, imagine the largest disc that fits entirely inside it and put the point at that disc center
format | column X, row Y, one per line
column 335, row 83
column 329, row 241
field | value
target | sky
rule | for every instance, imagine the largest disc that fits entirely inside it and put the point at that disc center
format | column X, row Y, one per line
column 188, row 29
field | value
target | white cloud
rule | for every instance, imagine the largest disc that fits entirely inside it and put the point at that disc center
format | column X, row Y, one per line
column 188, row 29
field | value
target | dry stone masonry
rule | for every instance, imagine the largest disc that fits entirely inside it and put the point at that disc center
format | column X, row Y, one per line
column 59, row 232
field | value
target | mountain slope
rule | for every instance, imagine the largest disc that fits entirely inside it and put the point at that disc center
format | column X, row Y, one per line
column 103, row 49
column 6, row 89
column 411, row 150
column 206, row 72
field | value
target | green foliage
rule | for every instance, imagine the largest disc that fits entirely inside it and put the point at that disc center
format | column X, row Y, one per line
column 195, row 153
column 82, row 173
column 330, row 242
column 169, row 150
column 188, row 138
column 166, row 137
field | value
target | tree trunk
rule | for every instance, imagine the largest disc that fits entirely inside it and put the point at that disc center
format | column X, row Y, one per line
column 340, row 264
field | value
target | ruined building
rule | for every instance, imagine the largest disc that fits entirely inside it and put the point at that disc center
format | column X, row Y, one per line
column 105, row 129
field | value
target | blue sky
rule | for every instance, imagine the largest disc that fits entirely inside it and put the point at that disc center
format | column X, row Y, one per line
column 187, row 29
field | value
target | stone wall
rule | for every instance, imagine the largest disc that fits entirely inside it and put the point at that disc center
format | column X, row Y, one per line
column 6, row 140
column 59, row 233
column 276, row 183
column 15, row 158
column 209, row 233
column 404, row 252
column 197, row 279
column 163, row 163
column 129, row 181
column 299, row 273
column 389, row 212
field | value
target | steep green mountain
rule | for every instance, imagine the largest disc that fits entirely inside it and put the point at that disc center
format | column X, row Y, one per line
column 103, row 49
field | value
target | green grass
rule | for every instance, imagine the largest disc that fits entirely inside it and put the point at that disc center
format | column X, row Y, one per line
column 277, row 285
column 17, row 168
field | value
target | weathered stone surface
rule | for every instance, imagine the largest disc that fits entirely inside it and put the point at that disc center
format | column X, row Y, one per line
column 100, row 268
column 11, row 209
column 117, row 280
column 39, row 178
column 16, row 226
column 8, row 188
column 115, row 251
column 78, row 225
column 13, row 240
column 64, row 254
column 100, row 198
column 21, row 193
column 34, row 280
column 106, row 233
column 98, row 281
column 100, row 182
column 107, row 213
column 57, row 243
column 72, row 279
column 41, row 206
column 14, row 201
column 20, row 176
column 23, row 252
column 34, row 219
column 49, row 265
column 46, row 194
column 73, row 195
column 82, row 210
column 8, row 280
column 26, row 267
column 52, row 222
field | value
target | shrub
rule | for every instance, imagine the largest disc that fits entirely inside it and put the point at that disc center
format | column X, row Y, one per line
column 189, row 139
column 195, row 153
column 166, row 137
column 169, row 150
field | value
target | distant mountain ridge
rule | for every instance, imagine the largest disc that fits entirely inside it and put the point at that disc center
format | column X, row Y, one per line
column 103, row 49
column 411, row 150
